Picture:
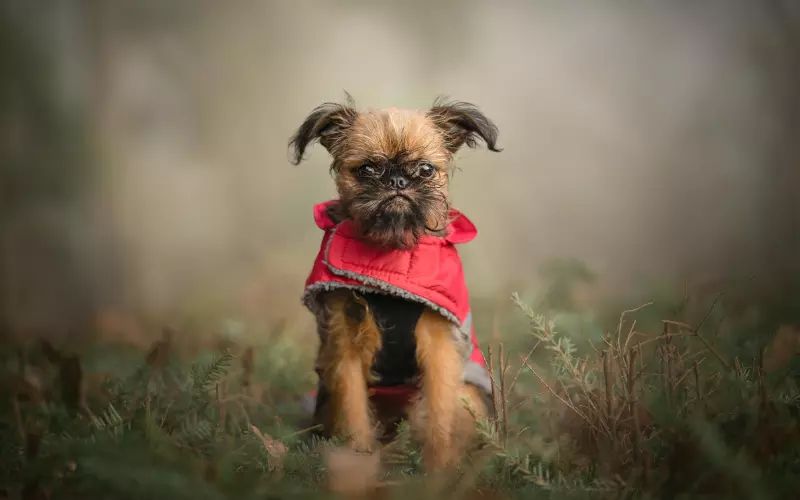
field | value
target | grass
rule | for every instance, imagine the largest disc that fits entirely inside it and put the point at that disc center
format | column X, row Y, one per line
column 680, row 397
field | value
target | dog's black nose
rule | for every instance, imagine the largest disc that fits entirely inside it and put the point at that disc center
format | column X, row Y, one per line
column 398, row 182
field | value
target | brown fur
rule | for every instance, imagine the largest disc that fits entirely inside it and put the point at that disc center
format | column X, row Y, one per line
column 346, row 361
column 439, row 417
column 441, row 367
column 383, row 135
column 370, row 151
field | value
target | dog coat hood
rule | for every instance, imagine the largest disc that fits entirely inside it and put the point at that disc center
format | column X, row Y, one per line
column 431, row 274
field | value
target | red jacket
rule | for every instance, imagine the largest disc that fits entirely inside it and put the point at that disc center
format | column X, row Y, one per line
column 431, row 273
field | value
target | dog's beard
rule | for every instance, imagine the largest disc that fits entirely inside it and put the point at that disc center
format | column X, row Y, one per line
column 398, row 221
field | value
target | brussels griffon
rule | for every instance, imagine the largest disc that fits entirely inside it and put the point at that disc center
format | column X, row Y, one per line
column 387, row 287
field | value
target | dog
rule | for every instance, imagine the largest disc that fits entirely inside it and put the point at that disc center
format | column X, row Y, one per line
column 387, row 287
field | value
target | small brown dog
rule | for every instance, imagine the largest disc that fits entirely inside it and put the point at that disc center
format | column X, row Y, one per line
column 387, row 287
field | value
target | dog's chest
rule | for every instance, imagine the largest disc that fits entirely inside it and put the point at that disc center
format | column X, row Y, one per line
column 395, row 363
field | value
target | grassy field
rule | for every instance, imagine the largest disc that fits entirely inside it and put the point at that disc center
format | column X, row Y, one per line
column 686, row 395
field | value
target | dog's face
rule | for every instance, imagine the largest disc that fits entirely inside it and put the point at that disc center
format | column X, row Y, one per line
column 392, row 165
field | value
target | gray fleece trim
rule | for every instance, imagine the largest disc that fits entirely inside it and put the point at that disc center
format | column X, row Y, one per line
column 466, row 328
column 461, row 335
column 477, row 375
column 373, row 285
column 326, row 286
column 462, row 342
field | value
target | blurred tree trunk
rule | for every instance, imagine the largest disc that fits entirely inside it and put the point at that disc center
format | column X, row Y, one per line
column 46, row 166
column 784, row 246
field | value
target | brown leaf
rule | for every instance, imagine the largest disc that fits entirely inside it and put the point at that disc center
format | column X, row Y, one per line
column 276, row 450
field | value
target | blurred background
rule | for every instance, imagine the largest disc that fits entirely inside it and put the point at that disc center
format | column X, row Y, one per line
column 145, row 172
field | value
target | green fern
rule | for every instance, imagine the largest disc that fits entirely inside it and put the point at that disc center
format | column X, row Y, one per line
column 109, row 420
column 567, row 366
column 162, row 433
column 205, row 378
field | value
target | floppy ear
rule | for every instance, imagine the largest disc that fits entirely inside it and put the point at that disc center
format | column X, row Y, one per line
column 326, row 123
column 463, row 123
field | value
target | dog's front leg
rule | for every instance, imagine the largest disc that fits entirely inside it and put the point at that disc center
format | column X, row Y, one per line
column 347, row 356
column 441, row 366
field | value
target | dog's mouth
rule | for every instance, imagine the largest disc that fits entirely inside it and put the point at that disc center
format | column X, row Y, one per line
column 396, row 209
column 399, row 209
column 396, row 221
column 398, row 199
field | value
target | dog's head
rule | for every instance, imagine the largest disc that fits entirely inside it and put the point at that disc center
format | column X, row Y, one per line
column 392, row 165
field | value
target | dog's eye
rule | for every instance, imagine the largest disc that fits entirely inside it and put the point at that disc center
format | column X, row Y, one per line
column 367, row 170
column 426, row 170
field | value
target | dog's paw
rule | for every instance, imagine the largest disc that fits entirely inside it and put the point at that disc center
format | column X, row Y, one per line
column 351, row 472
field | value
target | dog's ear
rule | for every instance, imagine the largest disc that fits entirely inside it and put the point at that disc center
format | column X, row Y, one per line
column 326, row 123
column 463, row 123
